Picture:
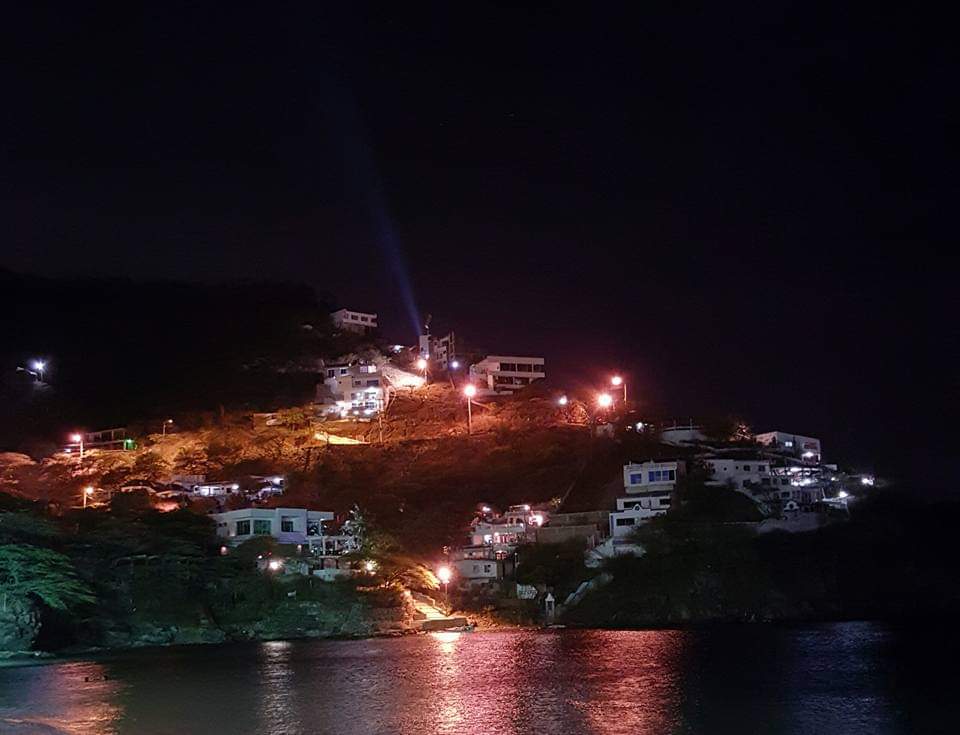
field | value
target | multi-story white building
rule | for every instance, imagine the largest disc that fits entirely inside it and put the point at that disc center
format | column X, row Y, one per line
column 806, row 448
column 286, row 525
column 649, row 487
column 744, row 473
column 443, row 351
column 507, row 373
column 357, row 390
column 644, row 477
column 354, row 321
column 497, row 534
column 476, row 566
column 440, row 351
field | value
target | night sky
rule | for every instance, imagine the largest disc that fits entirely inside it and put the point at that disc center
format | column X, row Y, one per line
column 746, row 209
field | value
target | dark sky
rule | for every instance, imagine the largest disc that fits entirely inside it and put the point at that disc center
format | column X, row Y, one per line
column 745, row 208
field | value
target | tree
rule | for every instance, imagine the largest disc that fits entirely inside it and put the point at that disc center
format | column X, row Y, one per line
column 727, row 428
column 190, row 461
column 131, row 503
column 33, row 572
column 149, row 466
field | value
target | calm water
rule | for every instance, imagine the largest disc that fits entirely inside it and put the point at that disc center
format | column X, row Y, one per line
column 840, row 678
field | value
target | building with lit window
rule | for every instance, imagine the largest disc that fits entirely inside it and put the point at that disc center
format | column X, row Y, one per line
column 644, row 477
column 806, row 448
column 507, row 373
column 440, row 351
column 649, row 488
column 352, row 390
column 286, row 525
column 354, row 321
column 742, row 471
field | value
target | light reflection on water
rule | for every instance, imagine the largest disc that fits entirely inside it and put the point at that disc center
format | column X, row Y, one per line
column 747, row 679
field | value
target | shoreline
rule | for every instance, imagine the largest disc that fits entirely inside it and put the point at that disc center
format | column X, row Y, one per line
column 14, row 659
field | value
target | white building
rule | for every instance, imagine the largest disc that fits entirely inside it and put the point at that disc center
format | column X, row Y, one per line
column 507, row 373
column 527, row 515
column 744, row 473
column 677, row 435
column 357, row 390
column 354, row 321
column 649, row 486
column 286, row 525
column 644, row 477
column 624, row 522
column 806, row 448
column 497, row 534
column 441, row 351
column 477, row 571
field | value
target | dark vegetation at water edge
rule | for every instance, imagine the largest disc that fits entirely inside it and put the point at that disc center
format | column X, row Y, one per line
column 894, row 559
column 118, row 579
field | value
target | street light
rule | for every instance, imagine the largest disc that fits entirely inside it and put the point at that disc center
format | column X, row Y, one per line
column 604, row 400
column 444, row 574
column 617, row 381
column 87, row 492
column 77, row 438
column 166, row 423
column 39, row 366
column 455, row 364
column 562, row 401
column 469, row 390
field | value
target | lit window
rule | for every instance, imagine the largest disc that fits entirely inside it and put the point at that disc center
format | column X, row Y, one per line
column 243, row 528
column 261, row 528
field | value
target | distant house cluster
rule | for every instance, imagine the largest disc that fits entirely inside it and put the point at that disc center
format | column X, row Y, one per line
column 361, row 389
column 487, row 555
column 253, row 488
column 781, row 472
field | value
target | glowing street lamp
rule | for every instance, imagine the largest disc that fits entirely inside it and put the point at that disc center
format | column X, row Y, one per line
column 562, row 401
column 455, row 365
column 422, row 363
column 87, row 493
column 168, row 422
column 604, row 400
column 444, row 574
column 39, row 366
column 469, row 390
column 370, row 566
column 77, row 438
column 616, row 381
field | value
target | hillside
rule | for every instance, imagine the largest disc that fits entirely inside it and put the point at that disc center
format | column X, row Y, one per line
column 420, row 484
